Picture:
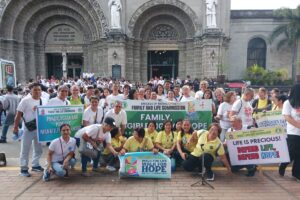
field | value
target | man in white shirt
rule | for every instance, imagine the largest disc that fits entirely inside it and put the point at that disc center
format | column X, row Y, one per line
column 92, row 136
column 186, row 94
column 119, row 115
column 114, row 96
column 61, row 99
column 26, row 110
column 243, row 108
column 203, row 86
column 61, row 154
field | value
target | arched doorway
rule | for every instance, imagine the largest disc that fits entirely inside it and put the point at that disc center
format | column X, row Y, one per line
column 56, row 33
column 164, row 36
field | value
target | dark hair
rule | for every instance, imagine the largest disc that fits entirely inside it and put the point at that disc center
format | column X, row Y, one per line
column 281, row 97
column 140, row 131
column 174, row 125
column 63, row 125
column 114, row 132
column 164, row 123
column 131, row 94
column 35, row 85
column 9, row 88
column 294, row 96
column 191, row 128
column 151, row 122
column 156, row 88
column 94, row 98
column 217, row 125
column 208, row 90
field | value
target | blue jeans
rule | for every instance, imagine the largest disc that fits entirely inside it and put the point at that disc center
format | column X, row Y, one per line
column 85, row 160
column 9, row 120
column 58, row 167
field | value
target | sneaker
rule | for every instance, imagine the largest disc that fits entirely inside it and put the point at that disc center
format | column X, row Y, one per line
column 46, row 175
column 25, row 173
column 37, row 169
column 3, row 141
column 281, row 170
column 85, row 174
column 110, row 168
column 210, row 176
column 251, row 172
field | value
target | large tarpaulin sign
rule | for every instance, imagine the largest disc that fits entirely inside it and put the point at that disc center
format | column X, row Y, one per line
column 49, row 119
column 7, row 73
column 258, row 146
column 145, row 165
column 270, row 119
column 139, row 113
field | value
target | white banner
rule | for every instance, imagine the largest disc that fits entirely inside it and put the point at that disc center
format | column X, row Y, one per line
column 258, row 146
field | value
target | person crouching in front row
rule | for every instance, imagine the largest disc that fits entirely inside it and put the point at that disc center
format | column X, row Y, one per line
column 117, row 142
column 138, row 142
column 61, row 154
column 209, row 146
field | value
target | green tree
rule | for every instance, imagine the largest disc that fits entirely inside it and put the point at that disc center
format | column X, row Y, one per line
column 290, row 30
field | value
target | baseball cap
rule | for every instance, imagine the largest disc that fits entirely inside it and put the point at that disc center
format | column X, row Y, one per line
column 110, row 121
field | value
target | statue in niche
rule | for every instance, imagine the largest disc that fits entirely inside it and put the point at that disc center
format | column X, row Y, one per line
column 115, row 13
column 211, row 21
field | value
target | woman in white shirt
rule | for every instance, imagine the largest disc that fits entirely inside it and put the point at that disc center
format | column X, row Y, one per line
column 170, row 97
column 291, row 113
column 223, row 113
column 93, row 114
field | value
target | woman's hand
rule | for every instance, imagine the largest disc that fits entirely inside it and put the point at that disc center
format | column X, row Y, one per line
column 155, row 150
column 122, row 152
column 183, row 156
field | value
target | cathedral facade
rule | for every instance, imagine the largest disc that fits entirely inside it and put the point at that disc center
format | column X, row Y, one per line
column 137, row 39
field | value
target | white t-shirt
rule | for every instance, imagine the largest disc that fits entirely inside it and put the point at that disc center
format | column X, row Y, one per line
column 223, row 110
column 244, row 110
column 295, row 114
column 120, row 118
column 94, row 131
column 90, row 115
column 184, row 99
column 58, row 102
column 61, row 153
column 199, row 94
column 28, row 107
column 111, row 99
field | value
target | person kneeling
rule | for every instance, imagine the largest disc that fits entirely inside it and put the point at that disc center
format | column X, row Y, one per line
column 61, row 154
column 138, row 143
column 208, row 146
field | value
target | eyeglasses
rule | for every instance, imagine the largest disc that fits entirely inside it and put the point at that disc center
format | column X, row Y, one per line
column 118, row 106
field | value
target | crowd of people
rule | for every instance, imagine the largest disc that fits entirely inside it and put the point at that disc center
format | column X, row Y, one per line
column 101, row 138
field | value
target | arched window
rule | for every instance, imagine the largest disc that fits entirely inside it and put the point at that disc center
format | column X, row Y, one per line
column 257, row 51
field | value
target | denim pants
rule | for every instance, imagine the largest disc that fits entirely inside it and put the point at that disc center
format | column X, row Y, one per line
column 30, row 137
column 9, row 120
column 110, row 159
column 196, row 162
column 86, row 159
column 58, row 167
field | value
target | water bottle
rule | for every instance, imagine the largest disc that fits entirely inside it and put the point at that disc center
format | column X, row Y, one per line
column 18, row 135
column 173, row 164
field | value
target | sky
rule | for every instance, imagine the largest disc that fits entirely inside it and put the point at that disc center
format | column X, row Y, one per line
column 263, row 4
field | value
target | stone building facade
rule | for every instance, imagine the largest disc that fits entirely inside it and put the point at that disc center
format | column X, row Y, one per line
column 157, row 37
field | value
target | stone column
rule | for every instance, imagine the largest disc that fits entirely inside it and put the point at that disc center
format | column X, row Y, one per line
column 136, row 60
column 20, row 64
column 182, row 60
column 129, row 60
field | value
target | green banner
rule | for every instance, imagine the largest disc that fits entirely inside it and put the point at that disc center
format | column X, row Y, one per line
column 139, row 113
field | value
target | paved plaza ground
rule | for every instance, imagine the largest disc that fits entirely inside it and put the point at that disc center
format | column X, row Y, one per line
column 265, row 185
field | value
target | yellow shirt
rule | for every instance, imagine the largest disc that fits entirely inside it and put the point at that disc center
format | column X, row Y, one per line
column 212, row 147
column 152, row 135
column 186, row 137
column 115, row 143
column 165, row 140
column 132, row 145
column 262, row 103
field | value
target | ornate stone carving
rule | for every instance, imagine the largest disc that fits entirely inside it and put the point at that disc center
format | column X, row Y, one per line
column 163, row 32
column 177, row 3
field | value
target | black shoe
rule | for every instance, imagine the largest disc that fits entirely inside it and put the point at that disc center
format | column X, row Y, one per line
column 3, row 141
column 210, row 176
column 251, row 172
column 281, row 170
column 37, row 169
